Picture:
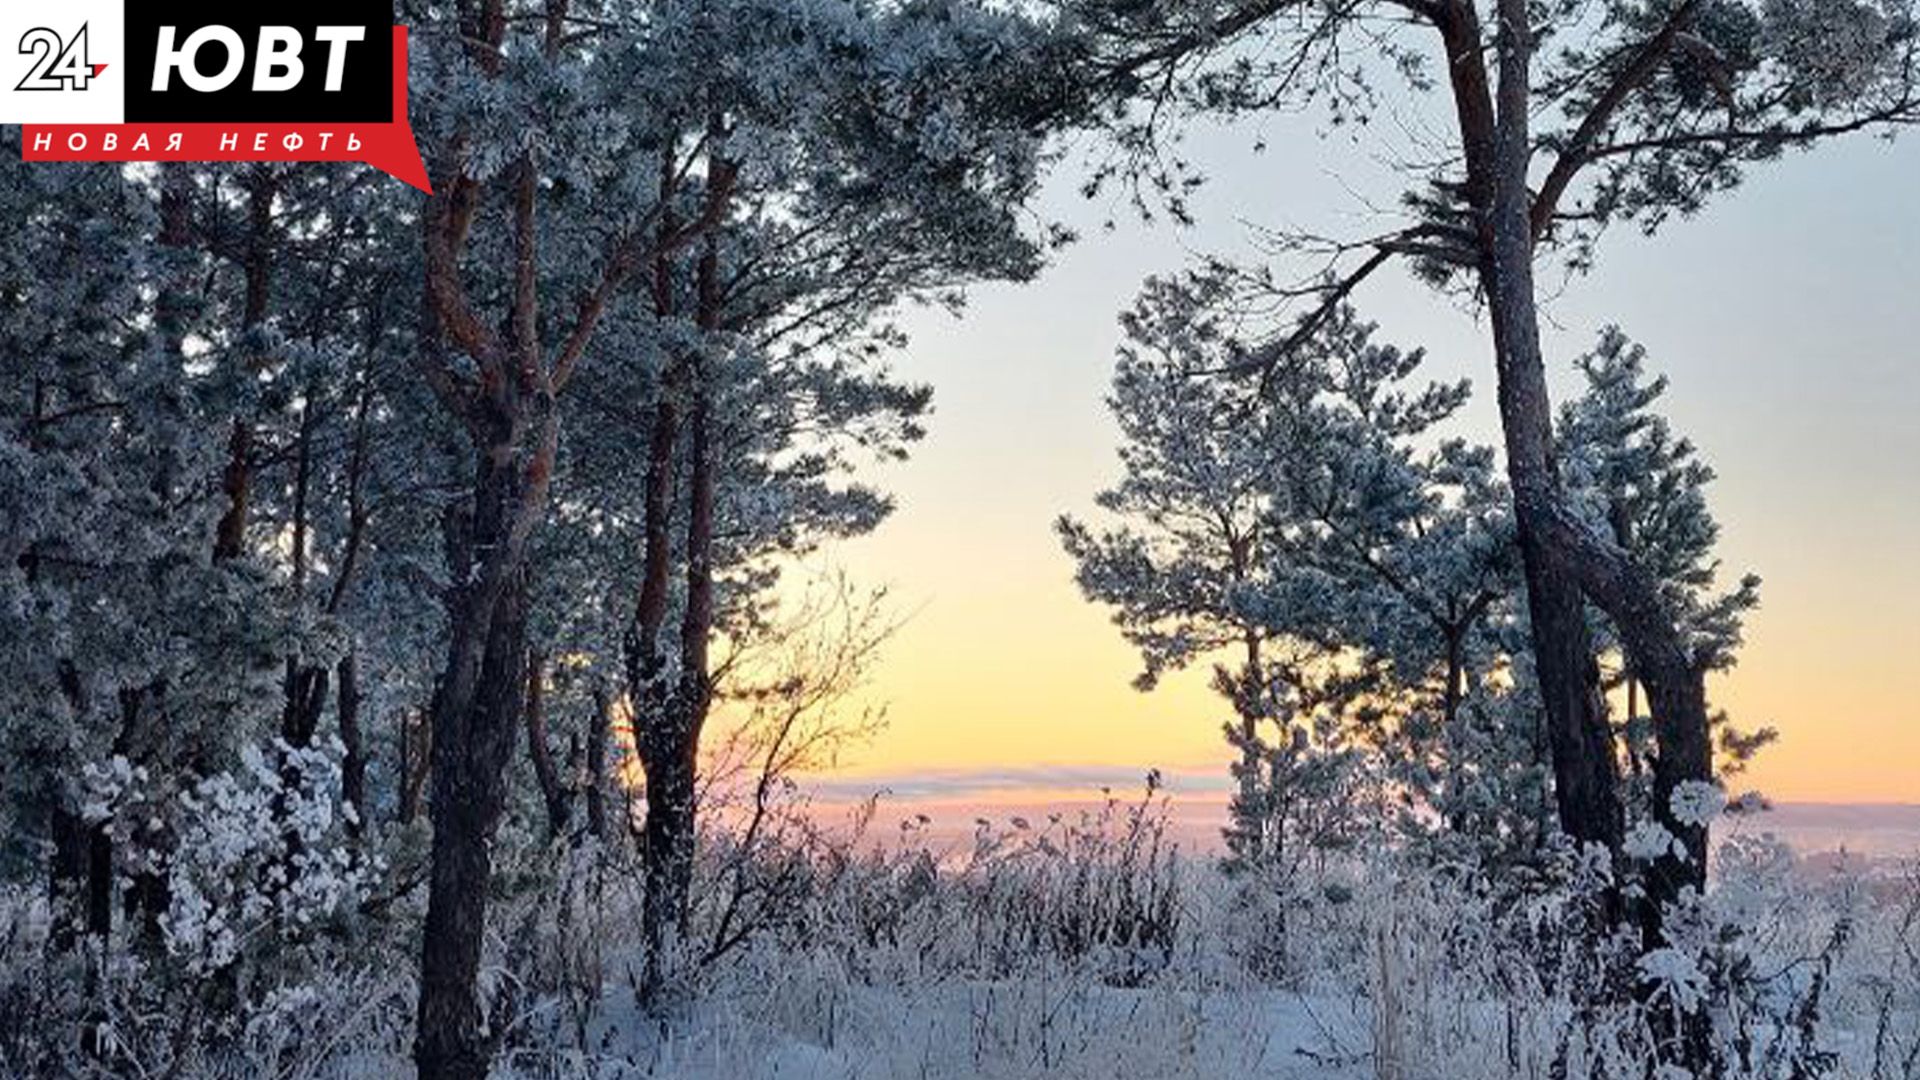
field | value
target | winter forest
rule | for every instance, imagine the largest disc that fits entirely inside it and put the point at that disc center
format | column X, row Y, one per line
column 416, row 645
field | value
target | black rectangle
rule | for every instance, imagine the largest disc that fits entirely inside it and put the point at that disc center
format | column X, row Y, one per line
column 366, row 86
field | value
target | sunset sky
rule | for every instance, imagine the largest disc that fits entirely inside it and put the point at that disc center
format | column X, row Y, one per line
column 1788, row 317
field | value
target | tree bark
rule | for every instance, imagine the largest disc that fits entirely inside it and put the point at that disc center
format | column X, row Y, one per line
column 597, row 734
column 148, row 894
column 353, row 763
column 304, row 690
column 673, row 740
column 669, row 718
column 80, row 879
column 230, row 536
column 552, row 792
column 476, row 713
column 667, row 856
column 1675, row 683
column 236, row 482
column 67, row 872
column 1566, row 559
column 416, row 744
column 506, row 402
column 1586, row 775
column 650, row 698
column 513, row 426
column 1249, row 704
column 304, row 686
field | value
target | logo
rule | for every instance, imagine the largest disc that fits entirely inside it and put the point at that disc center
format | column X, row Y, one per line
column 57, row 64
column 210, row 80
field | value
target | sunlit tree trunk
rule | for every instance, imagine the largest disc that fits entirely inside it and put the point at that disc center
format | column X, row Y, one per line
column 670, row 708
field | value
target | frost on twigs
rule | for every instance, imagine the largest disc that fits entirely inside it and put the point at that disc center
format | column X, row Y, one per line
column 261, row 856
column 1649, row 840
column 1697, row 802
column 1675, row 975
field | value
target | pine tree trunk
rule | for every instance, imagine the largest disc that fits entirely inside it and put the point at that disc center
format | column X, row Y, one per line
column 597, row 733
column 1562, row 552
column 1452, row 693
column 305, row 697
column 67, row 870
column 471, row 743
column 1494, row 138
column 236, row 481
column 669, row 717
column 416, row 742
column 476, row 715
column 1586, row 776
column 353, row 763
column 552, row 792
column 304, row 687
column 149, row 893
column 1250, row 703
column 675, row 712
column 1566, row 559
column 80, row 879
column 230, row 536
column 100, row 883
column 1249, row 845
column 668, row 866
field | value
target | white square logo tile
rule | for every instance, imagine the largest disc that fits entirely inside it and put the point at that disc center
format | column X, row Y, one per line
column 63, row 63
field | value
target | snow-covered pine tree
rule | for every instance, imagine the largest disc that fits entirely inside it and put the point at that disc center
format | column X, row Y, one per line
column 132, row 640
column 1348, row 571
column 1184, row 548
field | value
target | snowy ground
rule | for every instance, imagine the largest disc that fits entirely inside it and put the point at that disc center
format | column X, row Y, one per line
column 1053, row 954
column 1007, row 1029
